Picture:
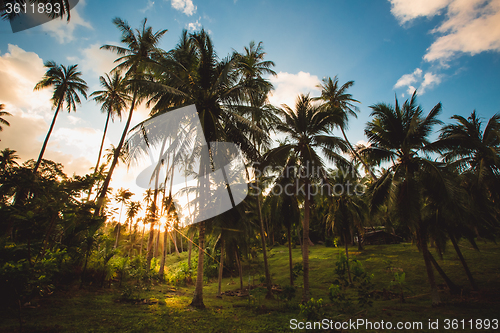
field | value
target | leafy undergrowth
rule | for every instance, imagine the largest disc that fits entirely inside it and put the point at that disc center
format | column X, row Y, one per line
column 164, row 308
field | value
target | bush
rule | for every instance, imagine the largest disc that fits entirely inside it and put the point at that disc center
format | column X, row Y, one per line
column 312, row 310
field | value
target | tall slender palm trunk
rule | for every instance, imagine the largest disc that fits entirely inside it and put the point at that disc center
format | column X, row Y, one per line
column 464, row 263
column 305, row 243
column 428, row 267
column 290, row 261
column 164, row 254
column 198, row 292
column 221, row 267
column 44, row 146
column 100, row 151
column 269, row 294
column 104, row 189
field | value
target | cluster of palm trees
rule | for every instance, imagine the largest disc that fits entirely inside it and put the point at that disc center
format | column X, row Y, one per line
column 446, row 189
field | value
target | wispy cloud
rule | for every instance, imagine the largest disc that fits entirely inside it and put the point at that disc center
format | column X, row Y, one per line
column 411, row 80
column 185, row 6
column 148, row 7
column 194, row 25
column 468, row 27
column 288, row 87
column 62, row 30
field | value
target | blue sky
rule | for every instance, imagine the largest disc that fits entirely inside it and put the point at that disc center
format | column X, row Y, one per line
column 446, row 49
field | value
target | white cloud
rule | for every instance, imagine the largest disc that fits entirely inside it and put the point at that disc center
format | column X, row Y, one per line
column 405, row 10
column 469, row 26
column 289, row 86
column 194, row 25
column 63, row 30
column 428, row 80
column 148, row 7
column 97, row 60
column 19, row 73
column 408, row 79
column 185, row 6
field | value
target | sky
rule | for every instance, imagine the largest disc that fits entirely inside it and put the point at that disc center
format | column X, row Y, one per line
column 448, row 50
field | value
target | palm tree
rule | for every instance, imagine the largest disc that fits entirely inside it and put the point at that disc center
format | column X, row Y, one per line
column 114, row 99
column 309, row 128
column 67, row 83
column 122, row 197
column 8, row 159
column 252, row 66
column 347, row 209
column 141, row 46
column 398, row 134
column 3, row 114
column 337, row 100
column 193, row 74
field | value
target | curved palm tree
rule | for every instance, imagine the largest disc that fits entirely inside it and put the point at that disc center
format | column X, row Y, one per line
column 140, row 47
column 337, row 100
column 67, row 83
column 114, row 99
column 193, row 74
column 3, row 114
column 309, row 129
column 398, row 134
column 8, row 159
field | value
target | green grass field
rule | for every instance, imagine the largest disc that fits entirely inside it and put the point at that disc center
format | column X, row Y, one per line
column 98, row 310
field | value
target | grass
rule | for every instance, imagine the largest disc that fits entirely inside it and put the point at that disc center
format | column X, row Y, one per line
column 98, row 310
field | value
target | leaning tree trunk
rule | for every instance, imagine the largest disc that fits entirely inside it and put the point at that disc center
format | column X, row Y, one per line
column 428, row 266
column 290, row 262
column 221, row 266
column 305, row 244
column 100, row 151
column 44, row 146
column 198, row 292
column 454, row 289
column 116, row 155
column 464, row 263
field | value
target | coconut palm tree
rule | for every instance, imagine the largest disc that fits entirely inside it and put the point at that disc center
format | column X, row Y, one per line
column 67, row 83
column 140, row 47
column 114, row 99
column 193, row 74
column 309, row 129
column 8, row 159
column 122, row 197
column 3, row 114
column 398, row 134
column 337, row 100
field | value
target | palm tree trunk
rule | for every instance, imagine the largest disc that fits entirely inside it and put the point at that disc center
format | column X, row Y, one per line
column 174, row 239
column 198, row 292
column 269, row 294
column 464, row 263
column 305, row 243
column 290, row 262
column 346, row 243
column 240, row 269
column 48, row 136
column 164, row 254
column 221, row 266
column 142, row 239
column 190, row 249
column 100, row 150
column 104, row 189
column 357, row 155
column 454, row 289
column 428, row 266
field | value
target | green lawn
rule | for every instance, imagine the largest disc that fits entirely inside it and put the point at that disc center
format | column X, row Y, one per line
column 98, row 310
